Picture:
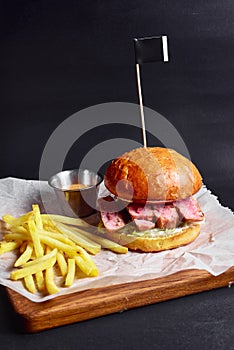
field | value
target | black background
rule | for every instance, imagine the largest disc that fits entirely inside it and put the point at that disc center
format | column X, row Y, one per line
column 58, row 57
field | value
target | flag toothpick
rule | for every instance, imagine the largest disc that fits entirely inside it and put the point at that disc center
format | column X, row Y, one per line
column 148, row 49
column 141, row 104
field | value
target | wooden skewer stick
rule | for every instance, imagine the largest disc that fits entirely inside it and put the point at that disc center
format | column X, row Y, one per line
column 141, row 104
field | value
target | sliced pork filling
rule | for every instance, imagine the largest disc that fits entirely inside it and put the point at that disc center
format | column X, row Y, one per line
column 146, row 217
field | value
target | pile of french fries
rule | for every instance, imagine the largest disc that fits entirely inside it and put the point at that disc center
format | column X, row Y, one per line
column 51, row 245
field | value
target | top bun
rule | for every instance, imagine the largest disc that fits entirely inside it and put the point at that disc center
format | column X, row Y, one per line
column 152, row 174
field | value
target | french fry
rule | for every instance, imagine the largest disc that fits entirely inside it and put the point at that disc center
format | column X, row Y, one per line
column 25, row 256
column 30, row 284
column 37, row 216
column 70, row 272
column 89, row 271
column 85, row 263
column 32, row 267
column 104, row 242
column 49, row 281
column 54, row 243
column 17, row 221
column 60, row 237
column 40, row 281
column 8, row 219
column 64, row 219
column 49, row 277
column 18, row 237
column 41, row 233
column 35, row 238
column 20, row 229
column 8, row 246
column 70, row 232
column 48, row 224
column 45, row 240
column 62, row 263
column 82, row 259
column 39, row 251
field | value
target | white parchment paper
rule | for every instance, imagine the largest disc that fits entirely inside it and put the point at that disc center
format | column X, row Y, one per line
column 17, row 196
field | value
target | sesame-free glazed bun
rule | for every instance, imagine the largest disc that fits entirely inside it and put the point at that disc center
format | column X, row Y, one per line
column 152, row 174
column 158, row 243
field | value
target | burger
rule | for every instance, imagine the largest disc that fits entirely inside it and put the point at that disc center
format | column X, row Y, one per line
column 151, row 205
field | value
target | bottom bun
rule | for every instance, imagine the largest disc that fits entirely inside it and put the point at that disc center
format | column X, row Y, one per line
column 159, row 242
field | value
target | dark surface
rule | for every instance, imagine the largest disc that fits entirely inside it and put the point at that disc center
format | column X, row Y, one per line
column 201, row 321
column 59, row 57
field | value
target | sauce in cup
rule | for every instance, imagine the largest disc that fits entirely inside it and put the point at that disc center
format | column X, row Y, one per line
column 76, row 187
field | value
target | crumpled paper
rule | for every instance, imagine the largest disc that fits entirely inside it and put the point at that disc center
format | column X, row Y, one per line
column 214, row 255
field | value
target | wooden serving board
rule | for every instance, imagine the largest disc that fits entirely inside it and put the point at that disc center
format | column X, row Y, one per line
column 93, row 303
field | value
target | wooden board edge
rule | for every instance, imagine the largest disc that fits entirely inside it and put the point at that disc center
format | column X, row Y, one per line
column 92, row 303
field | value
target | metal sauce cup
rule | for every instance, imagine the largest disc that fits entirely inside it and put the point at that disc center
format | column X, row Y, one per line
column 79, row 189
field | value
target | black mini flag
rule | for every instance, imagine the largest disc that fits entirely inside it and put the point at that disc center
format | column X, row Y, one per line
column 151, row 49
